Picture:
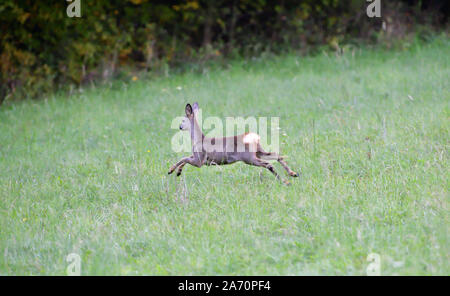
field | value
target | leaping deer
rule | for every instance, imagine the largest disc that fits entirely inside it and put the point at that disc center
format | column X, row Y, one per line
column 227, row 150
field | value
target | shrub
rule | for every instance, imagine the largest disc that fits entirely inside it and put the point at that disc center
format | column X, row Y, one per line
column 40, row 47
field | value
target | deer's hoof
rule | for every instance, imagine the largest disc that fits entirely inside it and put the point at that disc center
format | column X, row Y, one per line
column 170, row 172
column 178, row 174
column 293, row 174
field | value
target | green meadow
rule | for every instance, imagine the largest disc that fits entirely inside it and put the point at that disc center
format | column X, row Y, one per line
column 367, row 130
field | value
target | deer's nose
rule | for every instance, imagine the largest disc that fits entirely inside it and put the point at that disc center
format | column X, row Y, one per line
column 181, row 127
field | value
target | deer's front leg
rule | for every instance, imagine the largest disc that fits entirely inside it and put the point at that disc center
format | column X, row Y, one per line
column 265, row 164
column 181, row 161
column 191, row 160
column 180, row 168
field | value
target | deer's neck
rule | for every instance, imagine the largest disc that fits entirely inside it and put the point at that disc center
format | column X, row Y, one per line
column 196, row 134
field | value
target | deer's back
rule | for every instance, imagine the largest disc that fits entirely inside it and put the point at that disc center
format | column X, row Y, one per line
column 227, row 150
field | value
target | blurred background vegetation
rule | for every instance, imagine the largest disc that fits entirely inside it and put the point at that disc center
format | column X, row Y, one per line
column 43, row 50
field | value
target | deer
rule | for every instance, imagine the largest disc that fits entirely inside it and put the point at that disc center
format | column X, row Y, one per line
column 225, row 150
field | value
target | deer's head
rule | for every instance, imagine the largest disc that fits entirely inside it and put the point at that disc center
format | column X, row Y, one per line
column 188, row 121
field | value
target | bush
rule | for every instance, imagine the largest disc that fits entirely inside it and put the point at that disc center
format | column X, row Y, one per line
column 40, row 47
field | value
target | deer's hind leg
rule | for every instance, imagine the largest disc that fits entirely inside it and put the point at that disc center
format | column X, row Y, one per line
column 279, row 158
column 261, row 163
column 286, row 167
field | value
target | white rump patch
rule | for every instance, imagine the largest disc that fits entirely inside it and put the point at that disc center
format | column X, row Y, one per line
column 251, row 138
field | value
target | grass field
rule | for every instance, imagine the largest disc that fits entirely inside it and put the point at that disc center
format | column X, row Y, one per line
column 369, row 132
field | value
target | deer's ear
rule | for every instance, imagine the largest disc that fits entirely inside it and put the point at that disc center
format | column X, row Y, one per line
column 188, row 110
column 195, row 106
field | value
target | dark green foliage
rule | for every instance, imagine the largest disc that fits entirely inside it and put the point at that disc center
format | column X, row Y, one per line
column 40, row 46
